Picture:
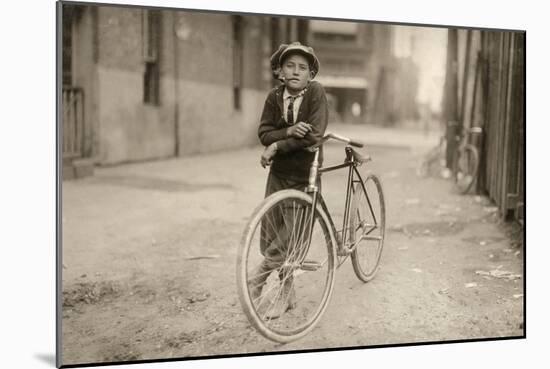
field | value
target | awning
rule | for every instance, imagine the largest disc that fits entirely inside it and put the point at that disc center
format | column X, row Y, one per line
column 342, row 81
column 338, row 27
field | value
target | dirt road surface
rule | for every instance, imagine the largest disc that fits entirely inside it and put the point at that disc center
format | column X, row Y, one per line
column 149, row 254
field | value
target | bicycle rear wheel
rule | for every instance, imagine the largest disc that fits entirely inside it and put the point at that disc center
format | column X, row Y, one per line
column 283, row 280
column 367, row 227
column 465, row 166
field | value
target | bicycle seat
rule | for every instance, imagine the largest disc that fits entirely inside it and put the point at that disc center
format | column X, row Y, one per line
column 358, row 157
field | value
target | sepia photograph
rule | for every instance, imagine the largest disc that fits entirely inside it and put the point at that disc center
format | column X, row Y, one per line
column 235, row 183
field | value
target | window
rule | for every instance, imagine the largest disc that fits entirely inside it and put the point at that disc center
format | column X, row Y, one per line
column 151, row 41
column 237, row 61
column 334, row 31
column 67, row 58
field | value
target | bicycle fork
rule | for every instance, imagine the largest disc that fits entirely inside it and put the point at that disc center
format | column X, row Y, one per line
column 313, row 189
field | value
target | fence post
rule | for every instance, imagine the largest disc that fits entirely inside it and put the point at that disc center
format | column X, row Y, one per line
column 450, row 99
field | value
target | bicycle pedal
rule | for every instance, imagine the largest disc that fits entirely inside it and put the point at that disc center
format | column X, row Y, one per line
column 311, row 265
column 345, row 251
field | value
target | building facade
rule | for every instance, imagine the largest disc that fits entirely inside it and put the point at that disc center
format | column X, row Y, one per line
column 354, row 57
column 143, row 84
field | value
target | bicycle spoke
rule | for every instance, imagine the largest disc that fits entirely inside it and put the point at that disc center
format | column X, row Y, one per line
column 302, row 241
column 293, row 235
column 294, row 248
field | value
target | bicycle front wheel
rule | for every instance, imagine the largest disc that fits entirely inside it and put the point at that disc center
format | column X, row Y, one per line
column 367, row 227
column 466, row 163
column 286, row 268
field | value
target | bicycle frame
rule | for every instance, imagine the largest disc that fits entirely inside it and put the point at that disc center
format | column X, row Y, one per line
column 353, row 177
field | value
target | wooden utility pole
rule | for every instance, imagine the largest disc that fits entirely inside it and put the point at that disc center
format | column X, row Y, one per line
column 450, row 97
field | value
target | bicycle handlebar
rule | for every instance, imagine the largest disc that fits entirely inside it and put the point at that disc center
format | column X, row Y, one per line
column 347, row 140
column 336, row 137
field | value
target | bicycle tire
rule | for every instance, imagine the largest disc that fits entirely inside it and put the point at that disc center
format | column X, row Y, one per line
column 313, row 288
column 367, row 227
column 465, row 168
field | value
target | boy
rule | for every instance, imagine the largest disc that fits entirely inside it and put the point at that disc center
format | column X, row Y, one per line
column 294, row 117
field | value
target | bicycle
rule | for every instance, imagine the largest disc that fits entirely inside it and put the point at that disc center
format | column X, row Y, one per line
column 466, row 160
column 466, row 157
column 298, row 226
column 433, row 162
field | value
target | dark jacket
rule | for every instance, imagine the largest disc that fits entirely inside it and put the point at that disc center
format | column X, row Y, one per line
column 291, row 160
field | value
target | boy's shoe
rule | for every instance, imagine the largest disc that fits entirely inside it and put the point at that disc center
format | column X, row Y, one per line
column 287, row 301
column 257, row 281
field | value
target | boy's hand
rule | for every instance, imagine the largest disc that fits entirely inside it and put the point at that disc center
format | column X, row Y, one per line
column 268, row 154
column 299, row 130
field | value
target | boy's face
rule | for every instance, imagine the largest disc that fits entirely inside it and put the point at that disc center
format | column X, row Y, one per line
column 296, row 73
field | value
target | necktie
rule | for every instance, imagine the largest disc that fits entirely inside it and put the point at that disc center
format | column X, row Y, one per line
column 290, row 110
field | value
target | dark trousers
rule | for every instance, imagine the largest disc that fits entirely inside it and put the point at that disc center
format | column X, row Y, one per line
column 284, row 225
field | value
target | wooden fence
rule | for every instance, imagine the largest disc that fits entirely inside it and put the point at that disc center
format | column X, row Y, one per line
column 503, row 167
column 485, row 88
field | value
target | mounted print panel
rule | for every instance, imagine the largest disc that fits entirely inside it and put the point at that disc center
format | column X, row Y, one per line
column 239, row 184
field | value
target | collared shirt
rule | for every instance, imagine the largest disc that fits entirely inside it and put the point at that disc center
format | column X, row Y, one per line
column 291, row 161
column 297, row 103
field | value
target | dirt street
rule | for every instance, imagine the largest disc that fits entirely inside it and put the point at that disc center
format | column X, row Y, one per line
column 149, row 254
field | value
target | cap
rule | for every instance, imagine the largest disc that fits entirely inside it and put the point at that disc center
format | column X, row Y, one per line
column 295, row 47
column 307, row 51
